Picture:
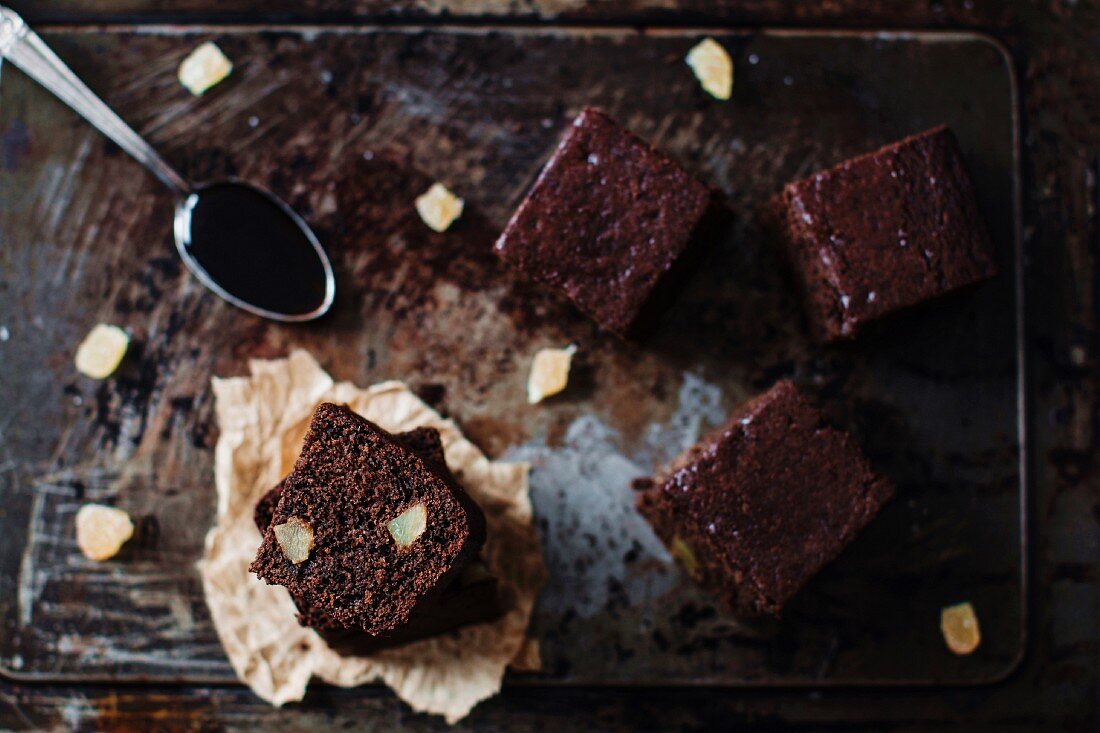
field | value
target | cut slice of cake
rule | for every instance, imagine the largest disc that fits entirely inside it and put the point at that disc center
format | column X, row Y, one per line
column 758, row 507
column 365, row 531
column 882, row 233
column 471, row 598
column 608, row 220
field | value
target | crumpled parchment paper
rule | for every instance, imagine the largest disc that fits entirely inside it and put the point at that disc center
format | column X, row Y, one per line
column 263, row 420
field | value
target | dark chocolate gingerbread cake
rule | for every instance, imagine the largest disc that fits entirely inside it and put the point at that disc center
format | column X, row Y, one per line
column 881, row 233
column 469, row 599
column 366, row 532
column 760, row 505
column 606, row 221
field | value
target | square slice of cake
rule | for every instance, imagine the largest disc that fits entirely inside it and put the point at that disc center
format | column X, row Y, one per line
column 606, row 220
column 881, row 233
column 366, row 532
column 760, row 505
column 470, row 598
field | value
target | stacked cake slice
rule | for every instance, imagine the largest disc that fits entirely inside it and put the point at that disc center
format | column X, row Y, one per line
column 373, row 537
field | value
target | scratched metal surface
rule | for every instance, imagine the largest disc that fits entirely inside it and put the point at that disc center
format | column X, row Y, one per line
column 350, row 126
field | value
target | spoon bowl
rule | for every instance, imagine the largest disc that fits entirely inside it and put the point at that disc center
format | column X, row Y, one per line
column 252, row 249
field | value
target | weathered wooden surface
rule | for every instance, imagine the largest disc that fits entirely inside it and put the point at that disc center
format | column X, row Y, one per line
column 1058, row 679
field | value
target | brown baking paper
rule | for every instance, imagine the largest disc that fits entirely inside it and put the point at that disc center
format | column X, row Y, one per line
column 263, row 420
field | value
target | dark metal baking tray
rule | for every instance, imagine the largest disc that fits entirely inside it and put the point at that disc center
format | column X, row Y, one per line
column 350, row 124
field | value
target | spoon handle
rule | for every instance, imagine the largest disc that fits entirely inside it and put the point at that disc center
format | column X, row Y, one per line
column 23, row 47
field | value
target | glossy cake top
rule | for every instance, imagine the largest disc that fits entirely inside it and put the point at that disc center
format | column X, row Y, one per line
column 606, row 219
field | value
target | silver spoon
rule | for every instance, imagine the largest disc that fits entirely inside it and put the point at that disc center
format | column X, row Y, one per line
column 238, row 239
